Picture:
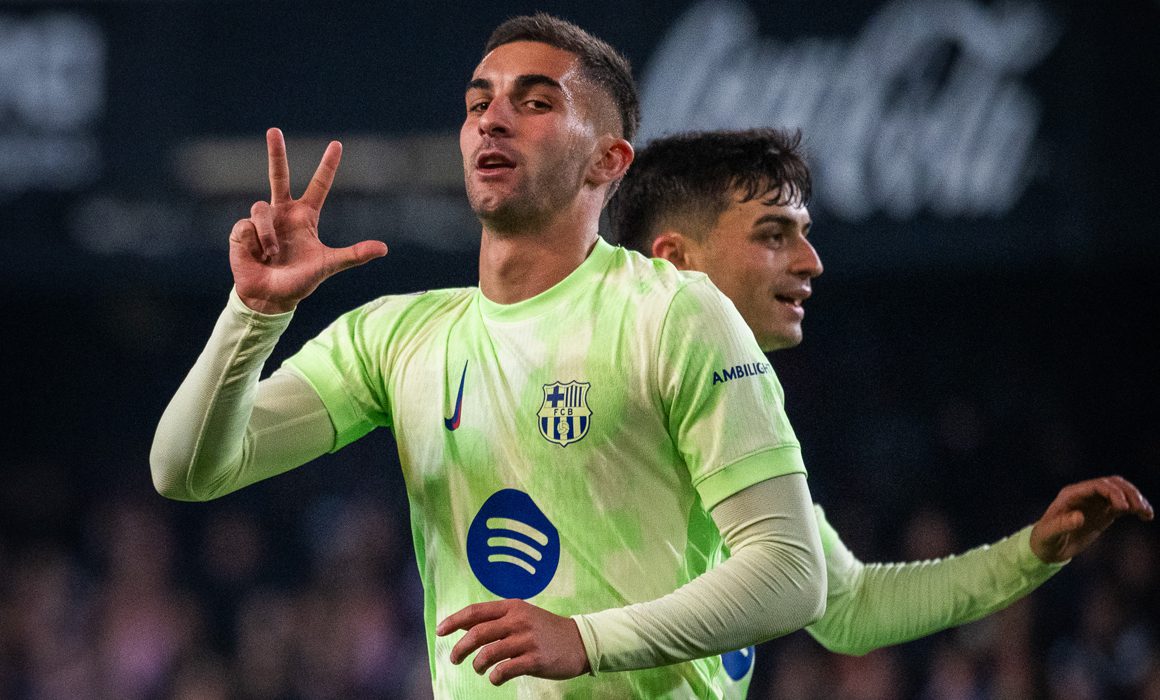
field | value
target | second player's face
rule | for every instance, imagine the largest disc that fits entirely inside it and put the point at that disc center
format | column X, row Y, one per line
column 759, row 256
column 526, row 140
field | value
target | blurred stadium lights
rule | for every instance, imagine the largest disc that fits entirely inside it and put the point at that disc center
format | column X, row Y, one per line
column 395, row 189
column 217, row 166
column 52, row 95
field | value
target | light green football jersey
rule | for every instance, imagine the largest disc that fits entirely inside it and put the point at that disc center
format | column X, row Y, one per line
column 565, row 449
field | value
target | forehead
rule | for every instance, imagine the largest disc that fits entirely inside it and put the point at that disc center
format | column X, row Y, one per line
column 742, row 213
column 528, row 58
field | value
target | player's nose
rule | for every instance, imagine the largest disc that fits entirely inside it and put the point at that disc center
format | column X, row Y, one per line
column 807, row 262
column 497, row 118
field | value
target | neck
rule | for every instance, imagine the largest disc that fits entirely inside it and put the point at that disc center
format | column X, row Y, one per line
column 518, row 266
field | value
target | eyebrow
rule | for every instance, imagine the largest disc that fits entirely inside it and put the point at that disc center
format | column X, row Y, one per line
column 523, row 82
column 779, row 219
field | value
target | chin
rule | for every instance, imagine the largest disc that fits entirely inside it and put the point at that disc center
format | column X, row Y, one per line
column 772, row 342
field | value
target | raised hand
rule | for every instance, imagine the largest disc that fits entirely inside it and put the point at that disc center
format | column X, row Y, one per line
column 1081, row 512
column 275, row 255
column 518, row 639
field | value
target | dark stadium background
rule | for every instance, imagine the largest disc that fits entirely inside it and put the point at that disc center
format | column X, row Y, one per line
column 978, row 340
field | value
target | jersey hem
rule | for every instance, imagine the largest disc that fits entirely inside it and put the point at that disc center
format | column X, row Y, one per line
column 749, row 470
column 327, row 382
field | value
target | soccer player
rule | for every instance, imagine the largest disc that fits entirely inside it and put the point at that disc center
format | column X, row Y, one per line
column 734, row 206
column 564, row 431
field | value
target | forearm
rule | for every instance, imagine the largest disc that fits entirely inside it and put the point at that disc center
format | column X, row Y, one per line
column 772, row 584
column 874, row 605
column 224, row 429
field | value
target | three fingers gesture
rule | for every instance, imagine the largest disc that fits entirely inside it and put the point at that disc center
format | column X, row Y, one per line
column 276, row 256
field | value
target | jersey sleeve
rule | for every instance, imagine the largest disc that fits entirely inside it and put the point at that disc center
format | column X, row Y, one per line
column 869, row 606
column 724, row 403
column 344, row 366
column 772, row 584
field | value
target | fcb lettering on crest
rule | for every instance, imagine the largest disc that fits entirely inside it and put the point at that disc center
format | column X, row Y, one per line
column 564, row 416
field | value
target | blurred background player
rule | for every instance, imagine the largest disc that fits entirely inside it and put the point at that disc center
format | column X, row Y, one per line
column 733, row 204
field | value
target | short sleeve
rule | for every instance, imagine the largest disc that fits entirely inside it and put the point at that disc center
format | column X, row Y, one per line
column 725, row 405
column 345, row 367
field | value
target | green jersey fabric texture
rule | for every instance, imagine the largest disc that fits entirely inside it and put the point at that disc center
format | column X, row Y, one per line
column 565, row 449
column 870, row 606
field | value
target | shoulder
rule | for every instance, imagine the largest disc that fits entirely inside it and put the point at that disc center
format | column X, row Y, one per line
column 685, row 289
column 395, row 313
column 653, row 276
column 668, row 298
column 424, row 301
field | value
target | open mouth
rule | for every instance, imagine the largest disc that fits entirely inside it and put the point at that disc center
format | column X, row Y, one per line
column 792, row 301
column 493, row 162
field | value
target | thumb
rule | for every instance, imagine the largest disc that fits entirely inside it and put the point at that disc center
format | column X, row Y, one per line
column 357, row 254
column 1074, row 520
column 1063, row 524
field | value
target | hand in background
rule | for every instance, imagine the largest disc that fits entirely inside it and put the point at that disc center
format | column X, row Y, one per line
column 1081, row 512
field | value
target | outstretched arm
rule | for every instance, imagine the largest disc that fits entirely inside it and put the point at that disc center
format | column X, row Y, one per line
column 772, row 584
column 875, row 605
column 223, row 430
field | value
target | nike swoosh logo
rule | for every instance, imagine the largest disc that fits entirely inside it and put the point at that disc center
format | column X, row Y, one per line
column 453, row 422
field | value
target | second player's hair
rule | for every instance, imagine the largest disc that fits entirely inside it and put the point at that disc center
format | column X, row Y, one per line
column 599, row 62
column 685, row 181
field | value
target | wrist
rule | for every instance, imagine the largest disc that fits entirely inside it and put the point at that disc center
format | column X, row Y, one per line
column 259, row 308
column 1042, row 553
column 267, row 307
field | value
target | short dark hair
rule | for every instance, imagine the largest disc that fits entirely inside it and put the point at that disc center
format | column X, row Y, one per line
column 685, row 181
column 599, row 62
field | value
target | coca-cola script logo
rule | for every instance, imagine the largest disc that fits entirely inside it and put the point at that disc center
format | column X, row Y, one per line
column 923, row 110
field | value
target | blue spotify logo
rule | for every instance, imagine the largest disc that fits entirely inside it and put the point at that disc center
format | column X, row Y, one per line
column 512, row 547
column 737, row 663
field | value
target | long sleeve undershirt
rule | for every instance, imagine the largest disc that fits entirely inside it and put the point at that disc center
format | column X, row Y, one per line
column 764, row 590
column 869, row 606
column 224, row 429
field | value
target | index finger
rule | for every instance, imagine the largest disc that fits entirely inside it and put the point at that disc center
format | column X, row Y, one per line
column 469, row 617
column 1138, row 504
column 278, row 167
column 320, row 184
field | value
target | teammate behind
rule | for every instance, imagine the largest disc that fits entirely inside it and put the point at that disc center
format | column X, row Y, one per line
column 734, row 206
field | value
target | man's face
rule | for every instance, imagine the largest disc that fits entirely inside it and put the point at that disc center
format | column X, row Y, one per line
column 758, row 255
column 526, row 141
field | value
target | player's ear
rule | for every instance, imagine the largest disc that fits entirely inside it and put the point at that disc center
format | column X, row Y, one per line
column 613, row 156
column 674, row 247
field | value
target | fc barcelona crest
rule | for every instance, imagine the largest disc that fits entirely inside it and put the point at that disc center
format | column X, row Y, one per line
column 564, row 416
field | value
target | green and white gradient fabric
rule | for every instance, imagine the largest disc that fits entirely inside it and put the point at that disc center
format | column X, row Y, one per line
column 565, row 449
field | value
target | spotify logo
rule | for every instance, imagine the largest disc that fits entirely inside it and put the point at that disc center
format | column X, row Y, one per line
column 737, row 663
column 512, row 547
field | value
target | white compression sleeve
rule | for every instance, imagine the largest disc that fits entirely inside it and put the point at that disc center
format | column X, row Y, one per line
column 773, row 583
column 223, row 429
column 875, row 605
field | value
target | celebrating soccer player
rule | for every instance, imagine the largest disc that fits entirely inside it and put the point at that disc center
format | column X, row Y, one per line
column 581, row 436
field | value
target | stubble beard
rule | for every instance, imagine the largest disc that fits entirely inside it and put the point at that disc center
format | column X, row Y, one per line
column 531, row 205
column 513, row 214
